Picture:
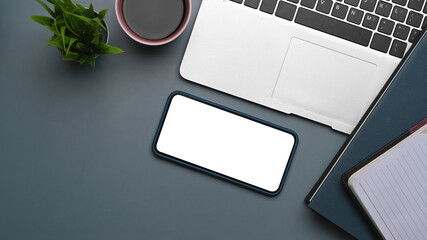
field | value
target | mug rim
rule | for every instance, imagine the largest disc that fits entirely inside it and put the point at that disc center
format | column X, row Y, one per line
column 138, row 38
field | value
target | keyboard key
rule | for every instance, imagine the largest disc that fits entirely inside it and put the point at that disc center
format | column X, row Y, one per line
column 339, row 10
column 370, row 21
column 413, row 35
column 414, row 19
column 380, row 43
column 401, row 2
column 355, row 16
column 425, row 22
column 324, row 6
column 416, row 4
column 398, row 48
column 368, row 5
column 237, row 1
column 399, row 14
column 268, row 6
column 352, row 2
column 386, row 26
column 401, row 32
column 425, row 9
column 308, row 3
column 383, row 9
column 286, row 10
column 333, row 26
column 252, row 3
column 294, row 1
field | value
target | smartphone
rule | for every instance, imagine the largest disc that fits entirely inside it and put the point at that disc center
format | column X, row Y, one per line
column 225, row 143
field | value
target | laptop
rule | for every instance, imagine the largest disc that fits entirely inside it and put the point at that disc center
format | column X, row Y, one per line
column 324, row 60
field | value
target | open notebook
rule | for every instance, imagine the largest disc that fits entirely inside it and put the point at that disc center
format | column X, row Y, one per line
column 391, row 186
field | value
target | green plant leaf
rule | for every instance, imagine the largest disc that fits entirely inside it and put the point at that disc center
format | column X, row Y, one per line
column 43, row 20
column 60, row 22
column 84, row 58
column 107, row 49
column 58, row 9
column 55, row 38
column 51, row 39
column 69, row 26
column 96, row 20
column 63, row 28
column 82, row 10
column 95, row 35
column 83, row 18
column 82, row 47
column 55, row 43
column 102, row 13
column 91, row 61
column 78, row 25
column 71, row 56
column 63, row 7
column 47, row 8
column 70, row 44
column 78, row 32
column 53, row 29
column 69, row 5
column 56, row 29
column 81, row 25
column 90, row 11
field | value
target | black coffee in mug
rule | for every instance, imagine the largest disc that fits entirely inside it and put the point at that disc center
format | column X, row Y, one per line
column 153, row 19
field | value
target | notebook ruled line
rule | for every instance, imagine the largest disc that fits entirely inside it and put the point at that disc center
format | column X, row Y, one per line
column 406, row 195
column 400, row 216
column 368, row 194
column 411, row 221
column 393, row 190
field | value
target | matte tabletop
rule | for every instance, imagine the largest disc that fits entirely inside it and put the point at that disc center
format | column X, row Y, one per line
column 75, row 148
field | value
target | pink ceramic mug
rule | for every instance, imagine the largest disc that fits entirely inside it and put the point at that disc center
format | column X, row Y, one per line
column 156, row 42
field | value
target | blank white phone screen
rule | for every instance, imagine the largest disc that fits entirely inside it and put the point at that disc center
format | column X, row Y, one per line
column 225, row 143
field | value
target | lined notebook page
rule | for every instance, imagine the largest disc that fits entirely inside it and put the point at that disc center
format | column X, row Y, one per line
column 393, row 189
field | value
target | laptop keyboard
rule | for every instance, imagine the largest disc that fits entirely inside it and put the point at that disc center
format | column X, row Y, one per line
column 387, row 26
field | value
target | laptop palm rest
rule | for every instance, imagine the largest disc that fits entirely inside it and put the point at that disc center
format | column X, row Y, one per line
column 333, row 93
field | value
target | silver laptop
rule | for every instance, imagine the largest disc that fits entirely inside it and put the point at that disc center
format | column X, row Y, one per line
column 323, row 60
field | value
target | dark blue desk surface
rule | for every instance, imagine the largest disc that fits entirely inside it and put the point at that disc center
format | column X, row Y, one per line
column 75, row 156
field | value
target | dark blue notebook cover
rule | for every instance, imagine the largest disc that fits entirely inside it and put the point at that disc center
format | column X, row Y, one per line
column 401, row 104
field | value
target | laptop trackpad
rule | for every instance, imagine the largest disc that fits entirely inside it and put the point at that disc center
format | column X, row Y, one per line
column 320, row 81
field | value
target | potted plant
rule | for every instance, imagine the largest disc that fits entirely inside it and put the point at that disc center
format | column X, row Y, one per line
column 80, row 33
